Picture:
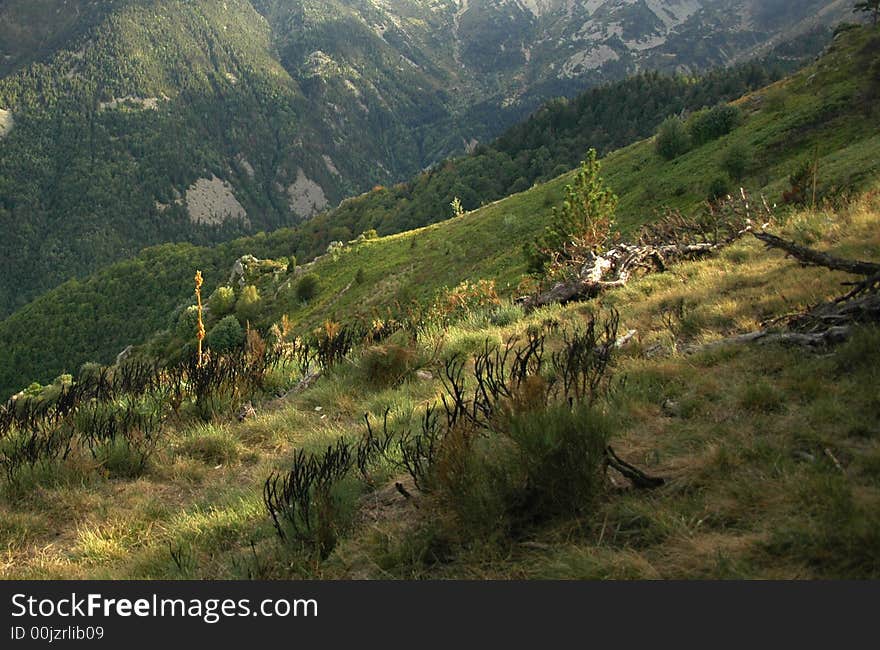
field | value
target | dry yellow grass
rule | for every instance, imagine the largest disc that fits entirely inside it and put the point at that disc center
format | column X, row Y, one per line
column 745, row 436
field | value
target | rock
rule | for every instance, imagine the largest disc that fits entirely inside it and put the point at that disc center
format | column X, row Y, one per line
column 424, row 375
column 247, row 412
column 124, row 355
column 671, row 408
column 240, row 269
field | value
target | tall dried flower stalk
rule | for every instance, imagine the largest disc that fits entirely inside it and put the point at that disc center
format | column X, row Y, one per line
column 200, row 331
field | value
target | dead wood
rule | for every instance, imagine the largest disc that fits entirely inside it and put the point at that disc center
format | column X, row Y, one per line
column 812, row 257
column 637, row 477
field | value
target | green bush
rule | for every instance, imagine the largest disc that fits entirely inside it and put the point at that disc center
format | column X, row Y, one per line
column 504, row 315
column 546, row 464
column 187, row 323
column 718, row 189
column 387, row 365
column 120, row 458
column 710, row 124
column 673, row 138
column 562, row 452
column 248, row 306
column 308, row 287
column 736, row 161
column 222, row 301
column 226, row 335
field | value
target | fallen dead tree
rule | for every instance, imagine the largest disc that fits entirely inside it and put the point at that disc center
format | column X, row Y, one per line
column 828, row 323
column 581, row 272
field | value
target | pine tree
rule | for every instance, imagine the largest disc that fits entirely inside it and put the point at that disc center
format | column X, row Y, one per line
column 586, row 217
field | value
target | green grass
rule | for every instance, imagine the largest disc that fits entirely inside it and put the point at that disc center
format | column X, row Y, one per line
column 771, row 454
column 748, row 438
column 823, row 108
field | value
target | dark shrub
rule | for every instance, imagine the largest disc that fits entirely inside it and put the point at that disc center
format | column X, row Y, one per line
column 707, row 125
column 673, row 138
column 226, row 335
column 308, row 287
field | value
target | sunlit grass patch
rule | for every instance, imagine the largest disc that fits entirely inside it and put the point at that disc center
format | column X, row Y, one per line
column 211, row 444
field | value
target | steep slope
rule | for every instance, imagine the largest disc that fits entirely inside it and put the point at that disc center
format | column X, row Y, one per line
column 134, row 122
column 170, row 121
column 31, row 30
column 770, row 454
column 826, row 105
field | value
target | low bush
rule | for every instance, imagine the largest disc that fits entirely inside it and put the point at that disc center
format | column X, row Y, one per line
column 387, row 365
column 710, row 124
column 221, row 302
column 673, row 138
column 308, row 287
column 225, row 336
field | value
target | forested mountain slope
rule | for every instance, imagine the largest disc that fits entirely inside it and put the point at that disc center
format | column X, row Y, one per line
column 129, row 123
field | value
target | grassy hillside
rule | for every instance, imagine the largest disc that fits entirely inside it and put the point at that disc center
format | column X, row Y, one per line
column 823, row 105
column 819, row 113
column 770, row 455
column 132, row 123
column 550, row 142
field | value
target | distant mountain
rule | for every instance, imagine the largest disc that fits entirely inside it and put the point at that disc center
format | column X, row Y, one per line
column 126, row 123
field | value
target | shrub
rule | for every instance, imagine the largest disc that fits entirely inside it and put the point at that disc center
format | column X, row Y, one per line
column 707, row 125
column 332, row 342
column 187, row 323
column 222, row 301
column 310, row 504
column 718, row 189
column 586, row 216
column 387, row 365
column 226, row 335
column 672, row 139
column 308, row 287
column 736, row 161
column 505, row 315
column 521, row 184
column 89, row 372
column 121, row 458
column 248, row 306
column 561, row 452
column 800, row 181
